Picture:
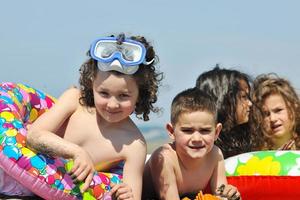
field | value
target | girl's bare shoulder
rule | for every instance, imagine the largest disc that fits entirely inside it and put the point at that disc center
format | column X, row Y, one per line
column 71, row 92
column 69, row 98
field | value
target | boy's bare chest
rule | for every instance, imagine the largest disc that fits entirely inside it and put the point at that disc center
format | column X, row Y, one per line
column 194, row 181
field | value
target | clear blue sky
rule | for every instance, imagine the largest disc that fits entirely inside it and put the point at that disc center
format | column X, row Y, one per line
column 43, row 43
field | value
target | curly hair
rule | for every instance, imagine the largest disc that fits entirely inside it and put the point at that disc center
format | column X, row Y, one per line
column 264, row 86
column 147, row 78
column 224, row 84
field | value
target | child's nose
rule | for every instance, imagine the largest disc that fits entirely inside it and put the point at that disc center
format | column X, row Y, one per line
column 250, row 103
column 273, row 117
column 113, row 103
column 197, row 136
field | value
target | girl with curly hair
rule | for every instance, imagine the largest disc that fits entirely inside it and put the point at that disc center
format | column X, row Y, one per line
column 92, row 124
column 275, row 122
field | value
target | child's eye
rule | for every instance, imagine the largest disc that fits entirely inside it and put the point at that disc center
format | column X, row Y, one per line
column 205, row 131
column 124, row 96
column 278, row 110
column 245, row 97
column 103, row 94
column 266, row 113
column 187, row 130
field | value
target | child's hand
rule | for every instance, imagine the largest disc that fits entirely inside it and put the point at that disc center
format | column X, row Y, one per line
column 228, row 191
column 83, row 169
column 121, row 191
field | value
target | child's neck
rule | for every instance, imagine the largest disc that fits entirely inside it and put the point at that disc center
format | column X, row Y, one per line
column 190, row 163
column 279, row 142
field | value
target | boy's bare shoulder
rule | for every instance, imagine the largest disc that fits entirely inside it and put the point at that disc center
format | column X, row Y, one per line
column 165, row 153
column 216, row 152
column 165, row 150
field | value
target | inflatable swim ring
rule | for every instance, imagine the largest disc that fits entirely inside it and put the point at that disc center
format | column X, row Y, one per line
column 265, row 175
column 47, row 177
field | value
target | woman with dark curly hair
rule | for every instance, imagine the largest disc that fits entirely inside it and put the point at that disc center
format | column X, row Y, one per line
column 92, row 124
column 275, row 122
column 231, row 89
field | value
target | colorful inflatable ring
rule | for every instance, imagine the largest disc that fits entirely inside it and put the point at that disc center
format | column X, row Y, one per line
column 265, row 175
column 47, row 177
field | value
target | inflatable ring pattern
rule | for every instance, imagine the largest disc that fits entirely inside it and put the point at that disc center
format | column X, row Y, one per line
column 264, row 163
column 265, row 175
column 20, row 105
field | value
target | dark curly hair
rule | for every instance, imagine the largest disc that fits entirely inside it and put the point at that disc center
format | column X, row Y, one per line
column 265, row 85
column 147, row 79
column 224, row 84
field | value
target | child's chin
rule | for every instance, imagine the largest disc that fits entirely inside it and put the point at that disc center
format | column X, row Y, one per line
column 197, row 157
column 199, row 154
column 113, row 119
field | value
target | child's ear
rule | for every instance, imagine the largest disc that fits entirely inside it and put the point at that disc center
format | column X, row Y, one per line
column 170, row 130
column 218, row 130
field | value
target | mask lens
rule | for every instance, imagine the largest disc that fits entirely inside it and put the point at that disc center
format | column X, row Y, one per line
column 131, row 52
column 105, row 49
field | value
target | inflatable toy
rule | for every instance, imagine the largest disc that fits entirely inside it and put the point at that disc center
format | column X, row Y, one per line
column 265, row 175
column 47, row 177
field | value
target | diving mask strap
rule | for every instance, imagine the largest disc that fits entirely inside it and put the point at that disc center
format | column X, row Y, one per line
column 149, row 62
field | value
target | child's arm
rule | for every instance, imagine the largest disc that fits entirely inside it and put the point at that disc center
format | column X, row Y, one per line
column 42, row 137
column 131, row 188
column 163, row 175
column 218, row 183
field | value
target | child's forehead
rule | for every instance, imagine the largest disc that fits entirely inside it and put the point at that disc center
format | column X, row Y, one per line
column 274, row 101
column 114, row 80
column 274, row 98
column 198, row 115
column 102, row 75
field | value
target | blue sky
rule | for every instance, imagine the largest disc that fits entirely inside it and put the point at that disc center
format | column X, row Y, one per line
column 43, row 43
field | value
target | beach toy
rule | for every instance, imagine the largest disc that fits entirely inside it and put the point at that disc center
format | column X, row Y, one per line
column 265, row 175
column 47, row 177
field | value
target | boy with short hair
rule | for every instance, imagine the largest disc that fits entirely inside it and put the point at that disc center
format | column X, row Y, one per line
column 192, row 161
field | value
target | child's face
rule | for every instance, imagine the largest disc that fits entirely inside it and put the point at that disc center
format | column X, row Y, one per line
column 115, row 96
column 276, row 117
column 243, row 103
column 194, row 133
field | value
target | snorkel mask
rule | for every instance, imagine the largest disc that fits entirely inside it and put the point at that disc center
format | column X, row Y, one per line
column 119, row 54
